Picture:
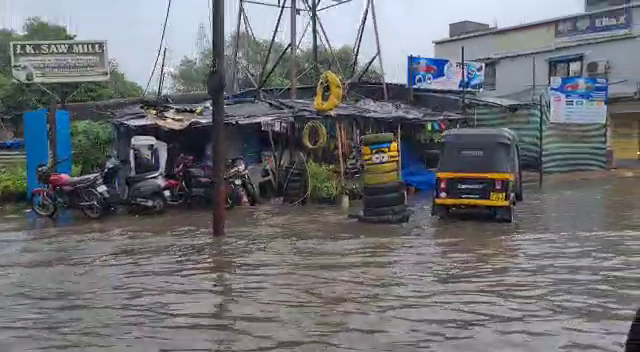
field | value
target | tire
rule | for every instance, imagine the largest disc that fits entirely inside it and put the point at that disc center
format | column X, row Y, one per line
column 252, row 193
column 294, row 186
column 159, row 204
column 377, row 138
column 441, row 211
column 519, row 195
column 95, row 210
column 378, row 179
column 385, row 200
column 51, row 209
column 385, row 188
column 178, row 196
column 381, row 168
column 385, row 219
column 505, row 214
column 394, row 210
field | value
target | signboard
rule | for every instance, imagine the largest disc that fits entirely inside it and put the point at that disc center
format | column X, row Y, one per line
column 618, row 19
column 59, row 61
column 578, row 100
column 443, row 74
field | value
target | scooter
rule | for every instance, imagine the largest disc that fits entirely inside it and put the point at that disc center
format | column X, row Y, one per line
column 144, row 192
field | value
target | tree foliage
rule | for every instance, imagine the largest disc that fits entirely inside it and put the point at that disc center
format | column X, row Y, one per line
column 191, row 73
column 16, row 98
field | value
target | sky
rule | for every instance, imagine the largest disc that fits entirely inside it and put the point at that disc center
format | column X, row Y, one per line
column 133, row 28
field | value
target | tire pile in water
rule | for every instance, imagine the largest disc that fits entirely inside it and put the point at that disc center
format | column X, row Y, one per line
column 385, row 199
column 295, row 185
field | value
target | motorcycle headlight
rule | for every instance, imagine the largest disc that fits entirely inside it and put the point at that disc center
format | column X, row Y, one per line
column 240, row 165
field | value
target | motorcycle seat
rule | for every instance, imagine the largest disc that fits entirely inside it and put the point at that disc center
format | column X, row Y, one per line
column 85, row 179
column 142, row 177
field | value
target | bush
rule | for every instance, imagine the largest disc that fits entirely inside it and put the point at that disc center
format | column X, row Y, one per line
column 92, row 144
column 324, row 183
column 13, row 183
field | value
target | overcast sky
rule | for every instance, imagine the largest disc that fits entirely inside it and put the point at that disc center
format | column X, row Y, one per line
column 407, row 27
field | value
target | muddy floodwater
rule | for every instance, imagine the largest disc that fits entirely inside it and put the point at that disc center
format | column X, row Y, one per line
column 566, row 277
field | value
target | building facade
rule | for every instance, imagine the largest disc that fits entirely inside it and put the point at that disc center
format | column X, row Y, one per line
column 602, row 43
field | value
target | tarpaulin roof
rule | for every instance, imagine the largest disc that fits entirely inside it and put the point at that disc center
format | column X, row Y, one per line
column 250, row 111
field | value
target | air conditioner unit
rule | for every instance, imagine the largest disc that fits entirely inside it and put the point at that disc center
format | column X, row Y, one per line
column 598, row 67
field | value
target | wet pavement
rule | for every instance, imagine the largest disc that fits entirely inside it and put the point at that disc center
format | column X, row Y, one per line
column 565, row 277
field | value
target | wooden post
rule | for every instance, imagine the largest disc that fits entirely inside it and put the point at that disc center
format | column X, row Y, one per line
column 339, row 133
column 399, row 152
column 463, row 69
column 216, row 90
column 314, row 34
column 161, row 79
column 541, row 132
column 53, row 143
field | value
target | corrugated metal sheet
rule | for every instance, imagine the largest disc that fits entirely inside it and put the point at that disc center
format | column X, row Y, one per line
column 9, row 157
column 566, row 147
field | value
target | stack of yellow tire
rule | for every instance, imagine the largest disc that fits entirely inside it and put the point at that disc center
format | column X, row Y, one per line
column 385, row 199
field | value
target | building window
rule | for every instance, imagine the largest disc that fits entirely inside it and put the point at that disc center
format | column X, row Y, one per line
column 566, row 67
column 489, row 76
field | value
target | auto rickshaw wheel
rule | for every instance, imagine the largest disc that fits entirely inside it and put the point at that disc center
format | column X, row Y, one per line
column 505, row 214
column 441, row 211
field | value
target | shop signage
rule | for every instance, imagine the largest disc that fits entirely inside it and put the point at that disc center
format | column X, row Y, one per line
column 443, row 74
column 578, row 100
column 618, row 19
column 59, row 61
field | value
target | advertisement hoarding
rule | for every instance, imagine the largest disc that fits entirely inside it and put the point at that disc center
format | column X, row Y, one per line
column 443, row 74
column 59, row 61
column 599, row 22
column 578, row 100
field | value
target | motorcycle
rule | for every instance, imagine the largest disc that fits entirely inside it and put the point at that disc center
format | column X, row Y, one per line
column 146, row 191
column 191, row 183
column 87, row 193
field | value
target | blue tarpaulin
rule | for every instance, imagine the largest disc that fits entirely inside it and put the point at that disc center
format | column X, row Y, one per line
column 414, row 173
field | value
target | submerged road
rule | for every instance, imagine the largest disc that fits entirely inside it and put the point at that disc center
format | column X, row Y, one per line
column 565, row 277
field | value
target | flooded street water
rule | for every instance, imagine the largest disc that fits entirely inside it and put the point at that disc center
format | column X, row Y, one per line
column 565, row 277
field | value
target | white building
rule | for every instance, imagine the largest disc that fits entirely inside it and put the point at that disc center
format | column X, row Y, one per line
column 602, row 42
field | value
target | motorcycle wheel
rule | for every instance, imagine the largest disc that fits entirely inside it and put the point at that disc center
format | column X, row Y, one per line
column 231, row 199
column 43, row 205
column 96, row 209
column 252, row 193
column 177, row 196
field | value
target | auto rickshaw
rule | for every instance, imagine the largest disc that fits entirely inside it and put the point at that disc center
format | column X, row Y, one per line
column 478, row 168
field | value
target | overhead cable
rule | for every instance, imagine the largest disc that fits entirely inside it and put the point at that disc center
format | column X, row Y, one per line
column 164, row 30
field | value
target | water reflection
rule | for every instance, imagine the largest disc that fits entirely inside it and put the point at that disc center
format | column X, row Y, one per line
column 291, row 279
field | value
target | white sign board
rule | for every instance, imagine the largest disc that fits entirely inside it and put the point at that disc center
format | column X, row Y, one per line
column 59, row 61
column 578, row 100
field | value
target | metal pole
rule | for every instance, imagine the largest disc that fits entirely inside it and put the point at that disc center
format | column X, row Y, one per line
column 464, row 88
column 53, row 142
column 236, row 46
column 375, row 29
column 533, row 89
column 273, row 40
column 314, row 31
column 216, row 90
column 358, row 44
column 540, row 131
column 411, row 79
column 161, row 79
column 293, row 75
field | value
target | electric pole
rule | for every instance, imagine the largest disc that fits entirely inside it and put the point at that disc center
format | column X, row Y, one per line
column 215, row 87
column 294, row 49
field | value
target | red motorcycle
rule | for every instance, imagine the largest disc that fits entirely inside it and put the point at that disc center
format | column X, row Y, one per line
column 189, row 183
column 87, row 193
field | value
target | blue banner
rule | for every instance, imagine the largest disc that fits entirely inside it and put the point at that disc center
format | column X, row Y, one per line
column 443, row 74
column 578, row 99
column 619, row 19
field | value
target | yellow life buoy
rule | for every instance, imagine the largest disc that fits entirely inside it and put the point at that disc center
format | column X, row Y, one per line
column 335, row 89
column 322, row 135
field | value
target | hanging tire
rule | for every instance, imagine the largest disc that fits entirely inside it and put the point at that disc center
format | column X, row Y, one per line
column 385, row 219
column 378, row 179
column 381, row 168
column 385, row 200
column 377, row 138
column 386, row 188
column 394, row 210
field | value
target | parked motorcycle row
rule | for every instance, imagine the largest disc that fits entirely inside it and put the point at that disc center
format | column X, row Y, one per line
column 98, row 194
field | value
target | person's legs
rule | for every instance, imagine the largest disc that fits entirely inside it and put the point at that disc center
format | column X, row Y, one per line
column 633, row 339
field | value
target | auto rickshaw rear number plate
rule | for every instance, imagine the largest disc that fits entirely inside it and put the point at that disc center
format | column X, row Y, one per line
column 497, row 196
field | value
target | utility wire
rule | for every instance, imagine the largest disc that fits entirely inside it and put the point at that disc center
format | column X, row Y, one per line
column 164, row 30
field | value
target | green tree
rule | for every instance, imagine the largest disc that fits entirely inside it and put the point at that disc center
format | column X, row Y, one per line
column 16, row 98
column 191, row 73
